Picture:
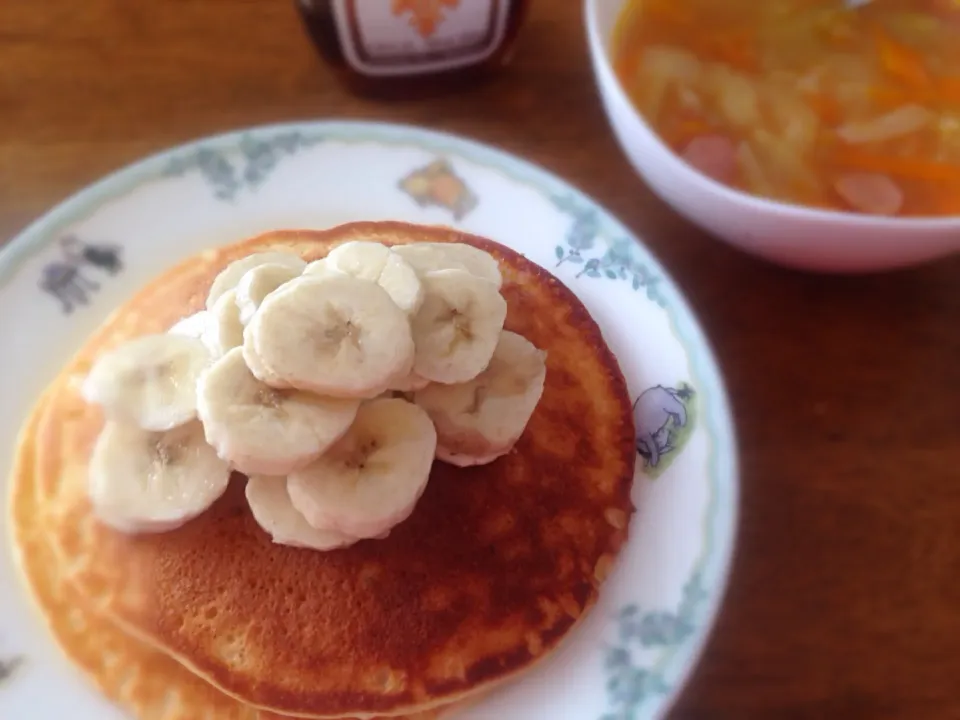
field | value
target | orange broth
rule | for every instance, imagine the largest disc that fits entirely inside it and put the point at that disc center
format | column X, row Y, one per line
column 831, row 104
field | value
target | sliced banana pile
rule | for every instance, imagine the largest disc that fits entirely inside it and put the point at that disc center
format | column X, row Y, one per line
column 332, row 385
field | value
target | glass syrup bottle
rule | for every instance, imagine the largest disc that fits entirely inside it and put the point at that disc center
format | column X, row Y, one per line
column 413, row 48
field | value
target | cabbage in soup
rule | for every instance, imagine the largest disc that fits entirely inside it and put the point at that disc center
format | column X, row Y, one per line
column 842, row 105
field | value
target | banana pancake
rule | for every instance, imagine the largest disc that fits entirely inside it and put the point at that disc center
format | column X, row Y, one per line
column 493, row 568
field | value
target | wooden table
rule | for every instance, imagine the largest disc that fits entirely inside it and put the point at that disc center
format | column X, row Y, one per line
column 845, row 597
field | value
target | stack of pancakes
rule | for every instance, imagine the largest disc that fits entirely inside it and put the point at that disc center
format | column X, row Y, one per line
column 494, row 567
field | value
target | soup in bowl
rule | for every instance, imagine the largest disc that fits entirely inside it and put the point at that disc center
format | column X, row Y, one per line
column 820, row 134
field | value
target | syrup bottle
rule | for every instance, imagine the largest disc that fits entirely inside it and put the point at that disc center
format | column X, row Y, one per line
column 413, row 48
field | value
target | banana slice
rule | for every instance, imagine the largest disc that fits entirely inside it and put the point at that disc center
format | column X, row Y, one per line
column 406, row 381
column 225, row 331
column 262, row 430
column 370, row 479
column 480, row 420
column 230, row 276
column 142, row 481
column 463, row 460
column 150, row 382
column 272, row 509
column 320, row 268
column 200, row 325
column 411, row 382
column 430, row 257
column 378, row 263
column 256, row 366
column 339, row 336
column 259, row 282
column 457, row 327
column 192, row 325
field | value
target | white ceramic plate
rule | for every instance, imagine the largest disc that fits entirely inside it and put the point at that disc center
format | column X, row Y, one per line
column 62, row 276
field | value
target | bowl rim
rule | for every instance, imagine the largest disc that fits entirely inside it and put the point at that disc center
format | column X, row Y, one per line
column 603, row 67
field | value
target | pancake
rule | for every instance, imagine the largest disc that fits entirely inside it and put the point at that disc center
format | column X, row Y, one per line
column 494, row 567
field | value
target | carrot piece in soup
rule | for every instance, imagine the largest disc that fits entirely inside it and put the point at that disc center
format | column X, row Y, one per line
column 948, row 89
column 949, row 200
column 735, row 49
column 944, row 198
column 826, row 107
column 900, row 61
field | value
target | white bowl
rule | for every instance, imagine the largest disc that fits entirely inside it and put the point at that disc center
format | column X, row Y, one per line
column 786, row 234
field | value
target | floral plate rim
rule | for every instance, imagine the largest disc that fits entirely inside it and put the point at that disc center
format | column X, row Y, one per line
column 701, row 603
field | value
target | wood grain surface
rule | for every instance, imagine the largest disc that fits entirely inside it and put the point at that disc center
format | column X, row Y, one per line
column 845, row 595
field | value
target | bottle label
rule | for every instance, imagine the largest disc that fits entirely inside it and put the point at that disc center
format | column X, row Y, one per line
column 407, row 37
